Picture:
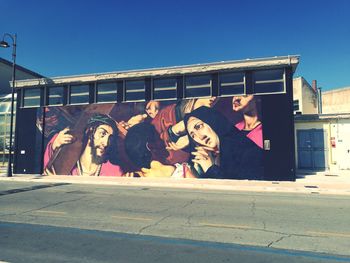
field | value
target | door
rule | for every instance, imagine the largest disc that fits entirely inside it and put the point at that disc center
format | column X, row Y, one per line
column 29, row 147
column 312, row 152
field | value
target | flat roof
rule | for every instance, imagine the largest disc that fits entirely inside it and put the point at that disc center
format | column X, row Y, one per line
column 321, row 117
column 337, row 90
column 247, row 64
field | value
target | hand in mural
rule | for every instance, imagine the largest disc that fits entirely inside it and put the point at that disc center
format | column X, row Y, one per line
column 62, row 138
column 181, row 143
column 158, row 170
column 203, row 157
column 133, row 121
column 137, row 119
column 179, row 128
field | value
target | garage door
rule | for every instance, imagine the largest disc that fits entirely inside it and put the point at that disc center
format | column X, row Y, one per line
column 312, row 153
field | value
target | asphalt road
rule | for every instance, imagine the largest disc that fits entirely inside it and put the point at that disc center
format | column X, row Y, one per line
column 89, row 223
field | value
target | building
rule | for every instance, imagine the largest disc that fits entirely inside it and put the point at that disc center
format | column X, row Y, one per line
column 322, row 139
column 246, row 107
column 304, row 97
column 5, row 102
column 336, row 101
column 323, row 142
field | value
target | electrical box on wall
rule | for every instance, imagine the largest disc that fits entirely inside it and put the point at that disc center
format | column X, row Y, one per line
column 267, row 145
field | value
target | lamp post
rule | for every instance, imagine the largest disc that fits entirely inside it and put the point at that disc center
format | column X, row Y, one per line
column 5, row 44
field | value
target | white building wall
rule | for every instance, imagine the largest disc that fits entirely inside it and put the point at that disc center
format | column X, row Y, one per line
column 309, row 99
column 303, row 92
column 341, row 153
column 336, row 101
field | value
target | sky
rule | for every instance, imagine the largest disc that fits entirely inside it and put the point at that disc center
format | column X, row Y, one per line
column 72, row 37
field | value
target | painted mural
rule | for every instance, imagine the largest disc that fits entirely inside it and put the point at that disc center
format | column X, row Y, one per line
column 192, row 138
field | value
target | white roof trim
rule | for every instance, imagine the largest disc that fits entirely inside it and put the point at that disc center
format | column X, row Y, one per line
column 157, row 72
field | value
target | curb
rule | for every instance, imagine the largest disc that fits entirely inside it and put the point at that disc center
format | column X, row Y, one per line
column 300, row 186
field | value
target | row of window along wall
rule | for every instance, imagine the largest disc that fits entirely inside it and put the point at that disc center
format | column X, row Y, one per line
column 158, row 88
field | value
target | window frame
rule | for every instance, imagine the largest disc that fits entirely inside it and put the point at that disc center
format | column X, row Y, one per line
column 283, row 81
column 175, row 78
column 47, row 102
column 244, row 82
column 40, row 89
column 96, row 93
column 88, row 84
column 185, row 76
column 134, row 91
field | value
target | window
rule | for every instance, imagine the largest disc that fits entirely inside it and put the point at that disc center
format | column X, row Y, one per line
column 164, row 88
column 106, row 92
column 55, row 96
column 198, row 86
column 31, row 97
column 134, row 90
column 296, row 105
column 79, row 94
column 268, row 81
column 231, row 83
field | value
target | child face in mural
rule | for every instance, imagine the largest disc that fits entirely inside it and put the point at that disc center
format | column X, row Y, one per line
column 152, row 108
column 202, row 133
column 100, row 142
column 243, row 103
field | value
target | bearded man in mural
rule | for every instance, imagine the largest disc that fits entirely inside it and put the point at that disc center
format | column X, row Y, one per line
column 99, row 147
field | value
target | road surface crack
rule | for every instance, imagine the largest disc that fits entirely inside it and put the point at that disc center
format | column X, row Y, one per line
column 253, row 208
column 189, row 220
column 278, row 240
column 152, row 225
column 189, row 203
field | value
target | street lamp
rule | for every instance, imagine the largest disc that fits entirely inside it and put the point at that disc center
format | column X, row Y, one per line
column 5, row 44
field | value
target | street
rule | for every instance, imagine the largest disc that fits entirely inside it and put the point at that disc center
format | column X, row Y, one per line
column 93, row 223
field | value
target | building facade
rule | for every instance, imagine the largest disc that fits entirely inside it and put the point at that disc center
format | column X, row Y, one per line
column 227, row 120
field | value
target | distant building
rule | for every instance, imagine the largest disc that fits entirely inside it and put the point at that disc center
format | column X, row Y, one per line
column 6, row 75
column 5, row 102
column 322, row 130
column 336, row 101
column 323, row 141
column 304, row 97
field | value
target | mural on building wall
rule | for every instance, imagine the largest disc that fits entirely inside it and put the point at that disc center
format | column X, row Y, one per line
column 192, row 138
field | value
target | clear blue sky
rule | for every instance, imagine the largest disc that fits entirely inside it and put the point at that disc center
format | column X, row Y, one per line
column 66, row 37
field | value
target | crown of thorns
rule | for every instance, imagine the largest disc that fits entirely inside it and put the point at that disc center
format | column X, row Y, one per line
column 102, row 119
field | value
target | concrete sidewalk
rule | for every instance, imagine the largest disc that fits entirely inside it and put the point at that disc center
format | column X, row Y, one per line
column 307, row 183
